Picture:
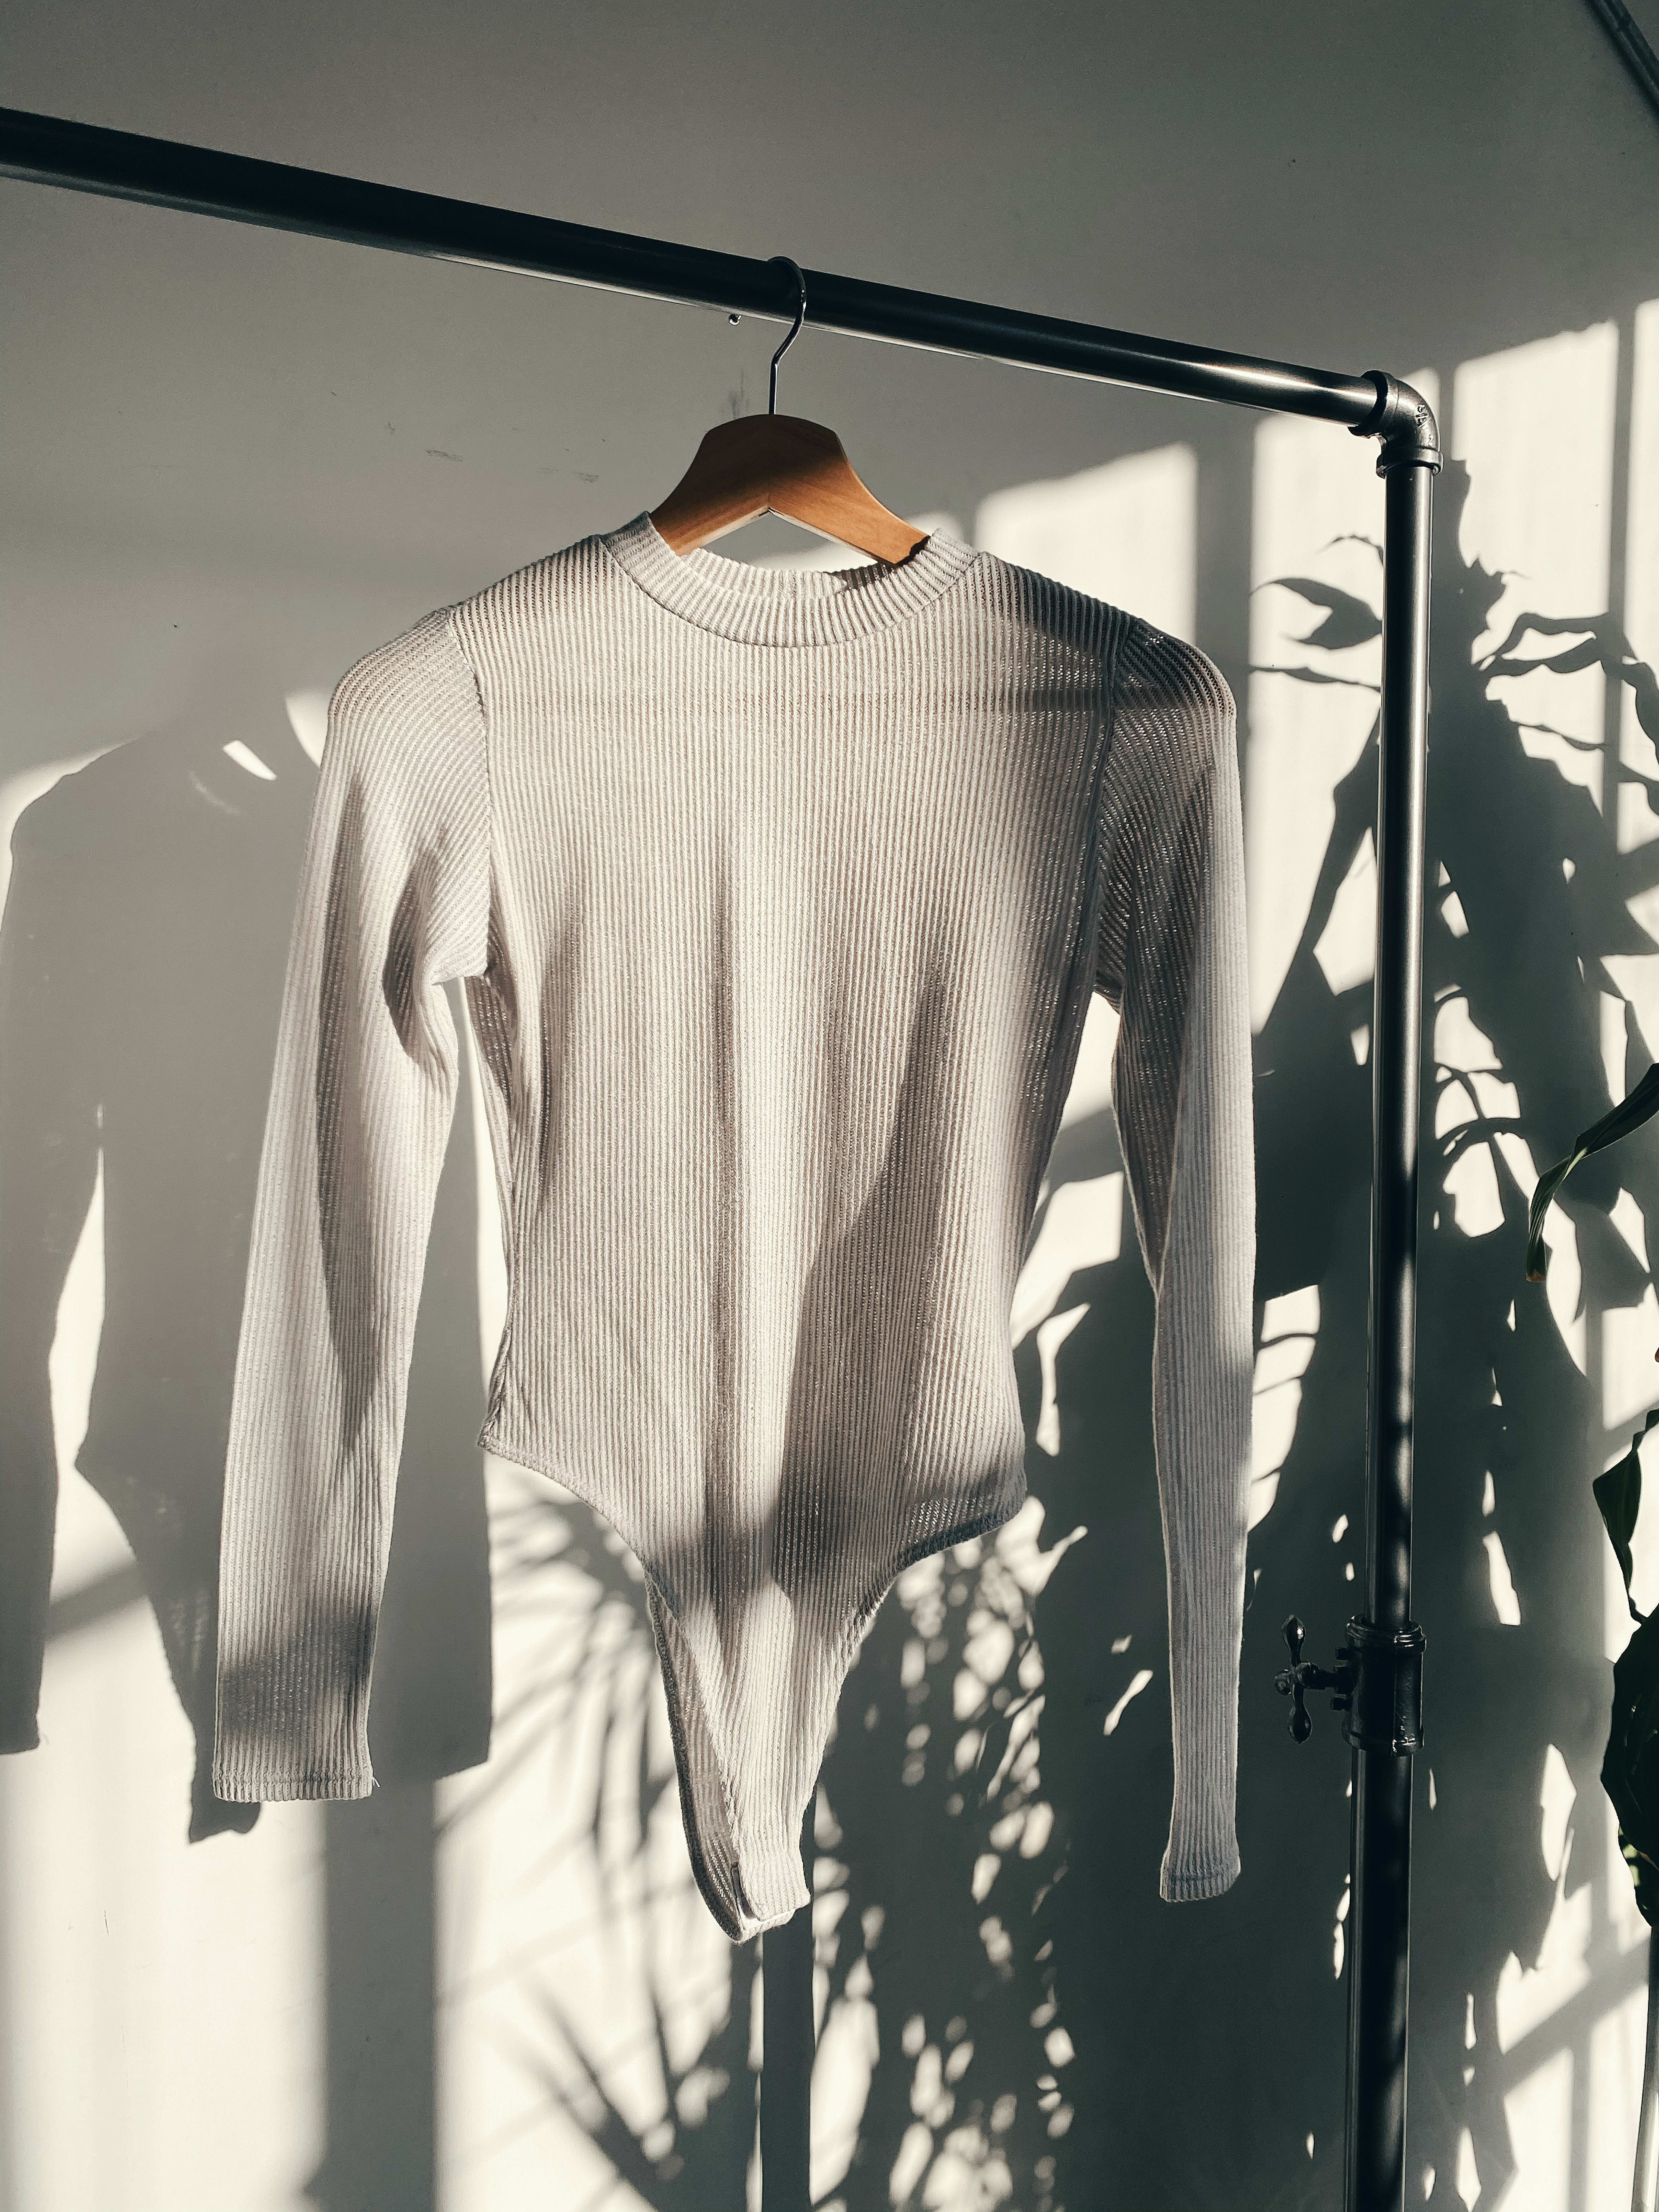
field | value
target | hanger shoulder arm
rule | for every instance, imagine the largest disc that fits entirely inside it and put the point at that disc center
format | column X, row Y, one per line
column 782, row 464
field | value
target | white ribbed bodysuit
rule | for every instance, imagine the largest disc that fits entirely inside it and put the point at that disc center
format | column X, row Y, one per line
column 780, row 900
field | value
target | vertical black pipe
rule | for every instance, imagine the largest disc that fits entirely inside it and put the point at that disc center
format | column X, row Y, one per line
column 789, row 2033
column 380, row 2007
column 1379, row 1915
column 1644, row 2183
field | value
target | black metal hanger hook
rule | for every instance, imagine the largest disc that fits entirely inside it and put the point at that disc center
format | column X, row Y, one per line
column 794, row 332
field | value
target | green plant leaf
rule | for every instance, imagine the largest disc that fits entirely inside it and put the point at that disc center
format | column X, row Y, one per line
column 1618, row 1495
column 1630, row 1771
column 1629, row 1114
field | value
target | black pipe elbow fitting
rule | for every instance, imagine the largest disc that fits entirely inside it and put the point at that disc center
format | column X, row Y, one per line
column 1404, row 421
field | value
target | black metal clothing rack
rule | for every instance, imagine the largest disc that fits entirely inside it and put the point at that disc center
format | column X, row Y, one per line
column 1379, row 1673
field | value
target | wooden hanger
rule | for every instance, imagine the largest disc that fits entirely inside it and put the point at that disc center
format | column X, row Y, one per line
column 775, row 463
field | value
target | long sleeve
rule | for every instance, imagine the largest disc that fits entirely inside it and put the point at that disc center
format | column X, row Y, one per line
column 393, row 902
column 1170, row 958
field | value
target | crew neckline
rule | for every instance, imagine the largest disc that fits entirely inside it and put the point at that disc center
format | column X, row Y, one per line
column 785, row 607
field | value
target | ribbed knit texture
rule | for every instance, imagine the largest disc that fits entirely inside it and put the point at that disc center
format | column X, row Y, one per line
column 779, row 899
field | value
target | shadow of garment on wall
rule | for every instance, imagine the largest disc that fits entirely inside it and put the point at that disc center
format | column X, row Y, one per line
column 141, row 959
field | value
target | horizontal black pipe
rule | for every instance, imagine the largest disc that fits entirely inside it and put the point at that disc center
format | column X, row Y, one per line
column 117, row 164
column 1631, row 48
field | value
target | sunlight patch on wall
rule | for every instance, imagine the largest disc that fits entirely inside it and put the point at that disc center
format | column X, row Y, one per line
column 1316, row 574
column 1630, row 1379
column 1091, row 1088
column 1346, row 950
column 1556, row 1798
column 1471, row 1089
column 842, row 2069
column 1534, row 425
column 915, row 2148
column 307, row 717
column 1636, row 974
column 1612, row 1026
column 1018, row 1547
column 246, row 758
column 163, row 2025
column 1529, row 1996
column 1451, row 909
column 1505, row 1604
column 1138, row 1682
column 1339, row 1937
column 89, row 1542
column 1127, row 533
column 1627, row 1218
column 1290, row 1328
column 1539, row 2114
column 1467, row 2177
column 1616, row 2043
column 1563, row 1286
column 1082, row 1228
column 1637, row 822
column 1051, row 1334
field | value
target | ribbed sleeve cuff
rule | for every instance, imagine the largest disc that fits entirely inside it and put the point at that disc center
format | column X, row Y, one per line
column 254, row 1786
column 1184, row 1884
